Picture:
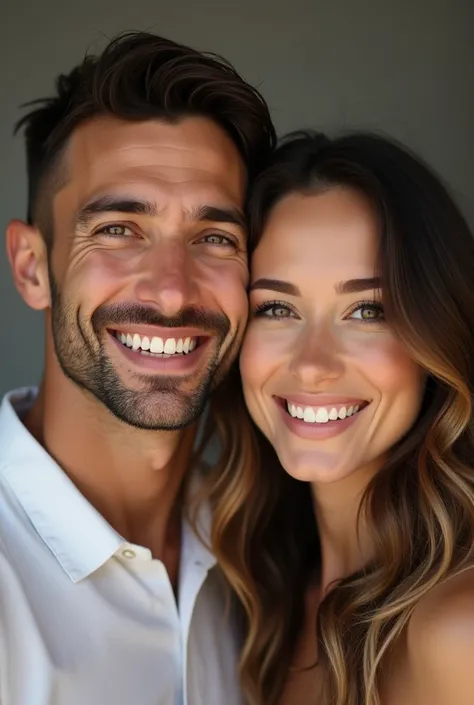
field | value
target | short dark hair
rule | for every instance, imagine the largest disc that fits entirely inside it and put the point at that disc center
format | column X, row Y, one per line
column 141, row 76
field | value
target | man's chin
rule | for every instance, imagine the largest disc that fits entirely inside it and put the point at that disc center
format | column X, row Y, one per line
column 159, row 423
column 156, row 411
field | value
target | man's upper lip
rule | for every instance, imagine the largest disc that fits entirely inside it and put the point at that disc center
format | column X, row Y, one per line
column 322, row 399
column 158, row 331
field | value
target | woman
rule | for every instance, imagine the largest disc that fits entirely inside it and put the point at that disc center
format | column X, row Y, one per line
column 352, row 550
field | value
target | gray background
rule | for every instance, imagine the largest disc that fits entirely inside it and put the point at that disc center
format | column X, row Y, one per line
column 405, row 67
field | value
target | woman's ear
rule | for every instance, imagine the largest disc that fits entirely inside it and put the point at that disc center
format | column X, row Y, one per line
column 27, row 253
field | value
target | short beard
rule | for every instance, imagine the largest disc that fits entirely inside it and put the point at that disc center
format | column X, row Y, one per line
column 160, row 404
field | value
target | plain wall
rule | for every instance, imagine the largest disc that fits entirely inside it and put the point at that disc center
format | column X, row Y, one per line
column 403, row 67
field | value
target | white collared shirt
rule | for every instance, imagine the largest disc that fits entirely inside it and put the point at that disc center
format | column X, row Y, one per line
column 88, row 619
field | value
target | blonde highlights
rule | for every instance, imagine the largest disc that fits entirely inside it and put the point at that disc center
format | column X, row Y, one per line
column 420, row 506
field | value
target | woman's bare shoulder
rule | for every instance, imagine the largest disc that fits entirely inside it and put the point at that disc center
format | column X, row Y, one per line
column 440, row 641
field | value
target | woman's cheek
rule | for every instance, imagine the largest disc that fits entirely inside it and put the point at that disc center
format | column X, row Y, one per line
column 386, row 362
column 264, row 351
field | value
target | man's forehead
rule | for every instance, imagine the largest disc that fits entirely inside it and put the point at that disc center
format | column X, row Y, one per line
column 192, row 147
column 112, row 160
column 193, row 160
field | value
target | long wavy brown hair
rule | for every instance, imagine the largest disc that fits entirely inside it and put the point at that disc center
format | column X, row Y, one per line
column 421, row 503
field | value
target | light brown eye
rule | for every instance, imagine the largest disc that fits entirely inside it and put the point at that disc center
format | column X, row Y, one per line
column 279, row 312
column 371, row 312
column 368, row 313
column 274, row 310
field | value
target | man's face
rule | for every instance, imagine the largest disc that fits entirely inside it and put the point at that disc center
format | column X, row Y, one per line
column 149, row 268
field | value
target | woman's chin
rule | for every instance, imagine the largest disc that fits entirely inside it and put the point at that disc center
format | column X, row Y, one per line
column 315, row 466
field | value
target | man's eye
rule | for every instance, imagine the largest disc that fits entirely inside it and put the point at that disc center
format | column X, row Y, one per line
column 115, row 231
column 218, row 239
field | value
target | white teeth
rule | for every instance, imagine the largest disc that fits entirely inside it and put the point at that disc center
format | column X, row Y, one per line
column 136, row 342
column 322, row 415
column 170, row 346
column 156, row 345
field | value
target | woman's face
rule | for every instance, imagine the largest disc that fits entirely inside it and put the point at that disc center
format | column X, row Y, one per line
column 325, row 378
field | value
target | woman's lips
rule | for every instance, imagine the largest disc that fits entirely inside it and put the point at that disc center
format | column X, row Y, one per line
column 319, row 420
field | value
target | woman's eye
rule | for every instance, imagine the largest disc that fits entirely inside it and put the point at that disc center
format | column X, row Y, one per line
column 368, row 313
column 115, row 231
column 274, row 310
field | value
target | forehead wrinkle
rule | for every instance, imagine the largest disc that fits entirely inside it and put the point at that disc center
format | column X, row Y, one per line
column 209, row 150
column 156, row 195
column 162, row 173
column 140, row 178
column 162, row 158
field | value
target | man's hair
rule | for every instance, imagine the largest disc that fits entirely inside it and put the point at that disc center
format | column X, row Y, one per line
column 141, row 76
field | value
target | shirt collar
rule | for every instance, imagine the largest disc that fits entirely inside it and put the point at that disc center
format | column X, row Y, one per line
column 73, row 530
column 69, row 525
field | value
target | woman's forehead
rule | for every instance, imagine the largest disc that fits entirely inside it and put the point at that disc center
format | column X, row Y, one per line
column 335, row 231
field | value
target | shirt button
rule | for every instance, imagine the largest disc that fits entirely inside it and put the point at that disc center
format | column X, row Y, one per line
column 128, row 553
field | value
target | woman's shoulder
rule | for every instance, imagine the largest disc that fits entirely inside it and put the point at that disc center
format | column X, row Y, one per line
column 440, row 641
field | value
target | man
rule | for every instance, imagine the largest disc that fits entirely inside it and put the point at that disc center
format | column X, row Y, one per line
column 135, row 249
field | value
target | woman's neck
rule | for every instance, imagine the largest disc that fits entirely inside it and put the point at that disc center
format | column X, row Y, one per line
column 346, row 539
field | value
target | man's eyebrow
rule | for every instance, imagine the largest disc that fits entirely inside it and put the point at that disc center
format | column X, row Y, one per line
column 135, row 206
column 219, row 214
column 114, row 204
column 354, row 286
column 282, row 287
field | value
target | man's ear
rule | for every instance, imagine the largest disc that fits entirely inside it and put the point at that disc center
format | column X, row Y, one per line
column 27, row 253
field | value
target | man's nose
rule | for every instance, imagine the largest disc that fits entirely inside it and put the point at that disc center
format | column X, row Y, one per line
column 167, row 280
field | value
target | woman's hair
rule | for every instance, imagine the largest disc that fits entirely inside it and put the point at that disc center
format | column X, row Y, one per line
column 421, row 504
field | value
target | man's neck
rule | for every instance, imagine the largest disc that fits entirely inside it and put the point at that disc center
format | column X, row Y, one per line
column 132, row 477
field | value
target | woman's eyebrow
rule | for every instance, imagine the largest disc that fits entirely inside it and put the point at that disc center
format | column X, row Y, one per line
column 282, row 287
